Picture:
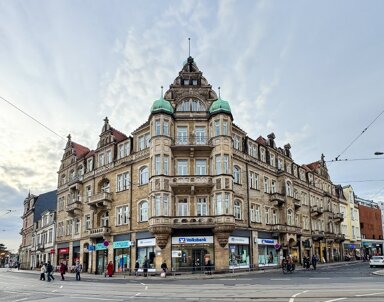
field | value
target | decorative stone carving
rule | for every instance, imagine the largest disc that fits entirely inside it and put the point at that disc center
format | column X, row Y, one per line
column 161, row 233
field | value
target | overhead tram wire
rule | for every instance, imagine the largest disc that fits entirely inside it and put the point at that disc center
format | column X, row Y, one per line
column 366, row 128
column 31, row 117
column 353, row 159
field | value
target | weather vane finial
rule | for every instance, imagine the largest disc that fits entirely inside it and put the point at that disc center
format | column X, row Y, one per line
column 161, row 91
column 189, row 47
column 219, row 92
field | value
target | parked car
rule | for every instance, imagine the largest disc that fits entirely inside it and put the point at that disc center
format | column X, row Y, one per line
column 376, row 261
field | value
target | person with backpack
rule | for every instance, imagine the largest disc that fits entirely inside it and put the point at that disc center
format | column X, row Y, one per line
column 49, row 270
column 78, row 269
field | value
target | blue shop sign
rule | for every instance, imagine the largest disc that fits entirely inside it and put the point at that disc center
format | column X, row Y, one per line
column 122, row 244
column 100, row 247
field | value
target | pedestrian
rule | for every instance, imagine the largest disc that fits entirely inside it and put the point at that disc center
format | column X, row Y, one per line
column 18, row 265
column 78, row 269
column 314, row 261
column 137, row 265
column 208, row 266
column 49, row 269
column 110, row 269
column 63, row 269
column 164, row 268
column 43, row 270
column 145, row 267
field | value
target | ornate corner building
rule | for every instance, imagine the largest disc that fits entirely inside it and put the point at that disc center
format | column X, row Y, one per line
column 191, row 187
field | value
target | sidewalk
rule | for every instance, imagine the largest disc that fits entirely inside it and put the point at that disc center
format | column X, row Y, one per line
column 170, row 275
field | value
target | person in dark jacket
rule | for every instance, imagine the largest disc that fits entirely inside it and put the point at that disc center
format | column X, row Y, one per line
column 164, row 268
column 314, row 261
column 137, row 266
column 49, row 271
column 145, row 266
column 63, row 269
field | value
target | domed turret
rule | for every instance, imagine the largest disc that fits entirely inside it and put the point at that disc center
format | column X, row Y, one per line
column 162, row 105
column 220, row 105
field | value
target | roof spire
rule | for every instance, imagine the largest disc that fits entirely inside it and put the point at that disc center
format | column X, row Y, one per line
column 161, row 96
column 219, row 92
column 189, row 47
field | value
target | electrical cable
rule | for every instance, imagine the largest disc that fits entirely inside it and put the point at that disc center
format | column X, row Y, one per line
column 31, row 117
column 365, row 129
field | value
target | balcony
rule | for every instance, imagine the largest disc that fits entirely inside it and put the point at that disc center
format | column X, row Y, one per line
column 338, row 217
column 40, row 247
column 101, row 200
column 74, row 208
column 340, row 237
column 191, row 184
column 316, row 211
column 282, row 228
column 277, row 199
column 317, row 235
column 192, row 143
column 193, row 222
column 99, row 232
column 297, row 203
column 75, row 181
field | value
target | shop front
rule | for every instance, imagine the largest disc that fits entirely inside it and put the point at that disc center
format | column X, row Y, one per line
column 121, row 255
column 268, row 251
column 238, row 252
column 63, row 253
column 192, row 253
column 146, row 249
column 75, row 252
column 352, row 251
column 101, row 257
column 372, row 247
column 336, row 252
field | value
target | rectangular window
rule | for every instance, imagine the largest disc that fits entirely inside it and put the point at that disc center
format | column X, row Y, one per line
column 88, row 222
column 122, row 215
column 236, row 142
column 218, row 164
column 157, row 127
column 165, row 204
column 182, row 135
column 272, row 160
column 253, row 180
column 257, row 213
column 226, row 203
column 267, row 218
column 101, row 159
column 219, row 204
column 109, row 156
column 122, row 182
column 157, row 164
column 182, row 167
column 50, row 232
column 225, row 127
column 89, row 164
column 182, row 207
column 77, row 226
column 226, row 164
column 165, row 165
column 201, row 207
column 200, row 167
column 157, row 205
column 200, row 135
column 165, row 128
column 266, row 185
column 217, row 127
column 273, row 186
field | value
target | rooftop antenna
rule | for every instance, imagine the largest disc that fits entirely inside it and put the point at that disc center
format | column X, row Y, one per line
column 161, row 96
column 219, row 92
column 189, row 47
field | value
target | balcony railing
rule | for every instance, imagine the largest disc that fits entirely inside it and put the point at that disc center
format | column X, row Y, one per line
column 191, row 181
column 277, row 198
column 338, row 217
column 192, row 221
column 99, row 232
column 74, row 208
column 340, row 237
column 75, row 179
column 317, row 235
column 100, row 200
column 316, row 210
column 191, row 140
column 282, row 228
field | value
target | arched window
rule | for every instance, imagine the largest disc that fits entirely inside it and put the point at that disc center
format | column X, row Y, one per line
column 290, row 218
column 191, row 105
column 62, row 180
column 236, row 174
column 143, row 211
column 72, row 175
column 105, row 219
column 289, row 189
column 237, row 209
column 105, row 186
column 144, row 177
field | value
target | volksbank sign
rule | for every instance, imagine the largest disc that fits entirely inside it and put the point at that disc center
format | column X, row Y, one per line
column 192, row 240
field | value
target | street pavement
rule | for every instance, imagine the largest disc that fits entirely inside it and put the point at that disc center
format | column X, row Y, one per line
column 353, row 281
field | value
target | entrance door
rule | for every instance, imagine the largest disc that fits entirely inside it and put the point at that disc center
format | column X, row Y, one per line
column 85, row 262
column 198, row 259
column 101, row 259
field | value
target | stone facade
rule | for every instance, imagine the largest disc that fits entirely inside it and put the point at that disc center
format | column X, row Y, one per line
column 192, row 188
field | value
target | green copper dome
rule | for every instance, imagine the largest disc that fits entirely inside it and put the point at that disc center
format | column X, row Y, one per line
column 220, row 105
column 162, row 105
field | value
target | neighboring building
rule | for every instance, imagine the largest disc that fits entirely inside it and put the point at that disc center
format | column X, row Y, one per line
column 371, row 227
column 351, row 224
column 190, row 186
column 27, row 231
column 34, row 206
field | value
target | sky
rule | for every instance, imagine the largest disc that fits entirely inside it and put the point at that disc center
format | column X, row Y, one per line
column 309, row 71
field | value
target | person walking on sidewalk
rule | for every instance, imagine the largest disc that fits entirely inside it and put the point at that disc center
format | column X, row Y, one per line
column 43, row 270
column 78, row 269
column 110, row 269
column 145, row 266
column 63, row 269
column 49, row 269
column 314, row 261
column 164, row 268
column 137, row 266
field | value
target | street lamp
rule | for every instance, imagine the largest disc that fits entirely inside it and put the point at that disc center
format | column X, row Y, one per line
column 379, row 153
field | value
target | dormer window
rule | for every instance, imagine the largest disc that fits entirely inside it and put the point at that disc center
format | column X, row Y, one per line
column 191, row 105
column 194, row 82
column 186, row 82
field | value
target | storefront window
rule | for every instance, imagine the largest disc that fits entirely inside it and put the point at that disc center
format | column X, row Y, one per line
column 122, row 260
column 268, row 255
column 238, row 256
